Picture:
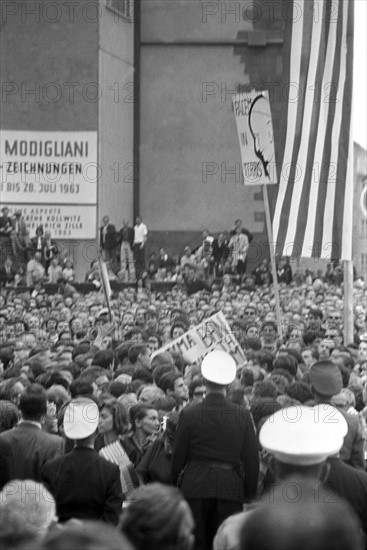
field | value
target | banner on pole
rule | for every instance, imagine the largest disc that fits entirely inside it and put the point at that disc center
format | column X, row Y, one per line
column 213, row 333
column 105, row 282
column 255, row 132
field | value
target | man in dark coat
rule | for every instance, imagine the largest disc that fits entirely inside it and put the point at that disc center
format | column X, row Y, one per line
column 6, row 463
column 351, row 484
column 7, row 272
column 31, row 446
column 84, row 485
column 5, row 232
column 126, row 239
column 108, row 239
column 302, row 443
column 37, row 243
column 326, row 381
column 216, row 449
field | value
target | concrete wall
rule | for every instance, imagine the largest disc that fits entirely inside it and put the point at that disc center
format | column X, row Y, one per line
column 82, row 55
column 116, row 71
column 194, row 55
column 49, row 61
column 42, row 46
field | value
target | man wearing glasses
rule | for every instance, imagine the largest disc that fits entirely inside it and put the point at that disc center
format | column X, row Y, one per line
column 249, row 313
column 197, row 390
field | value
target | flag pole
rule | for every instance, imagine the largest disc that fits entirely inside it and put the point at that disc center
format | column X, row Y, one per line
column 272, row 260
column 348, row 302
column 105, row 284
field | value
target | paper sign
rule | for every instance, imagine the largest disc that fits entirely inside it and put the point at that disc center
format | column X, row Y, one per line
column 213, row 333
column 255, row 132
column 48, row 167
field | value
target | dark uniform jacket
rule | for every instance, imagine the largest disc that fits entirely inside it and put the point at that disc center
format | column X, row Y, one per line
column 351, row 484
column 108, row 240
column 6, row 277
column 85, row 486
column 6, row 463
column 216, row 446
column 32, row 448
column 352, row 450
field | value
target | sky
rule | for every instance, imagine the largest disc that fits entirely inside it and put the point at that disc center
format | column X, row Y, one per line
column 360, row 74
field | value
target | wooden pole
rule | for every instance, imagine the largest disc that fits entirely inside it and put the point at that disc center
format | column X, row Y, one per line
column 272, row 260
column 348, row 303
column 105, row 284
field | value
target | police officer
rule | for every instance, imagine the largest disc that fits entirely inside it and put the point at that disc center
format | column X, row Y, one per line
column 326, row 381
column 85, row 485
column 304, row 443
column 215, row 458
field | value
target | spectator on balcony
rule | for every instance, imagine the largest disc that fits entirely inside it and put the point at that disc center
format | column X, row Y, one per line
column 108, row 239
column 140, row 239
column 126, row 239
column 19, row 236
column 188, row 257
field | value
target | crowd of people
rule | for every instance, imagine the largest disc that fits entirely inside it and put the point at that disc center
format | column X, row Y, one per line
column 27, row 261
column 109, row 440
column 125, row 251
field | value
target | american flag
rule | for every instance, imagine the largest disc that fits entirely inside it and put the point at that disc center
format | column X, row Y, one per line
column 314, row 205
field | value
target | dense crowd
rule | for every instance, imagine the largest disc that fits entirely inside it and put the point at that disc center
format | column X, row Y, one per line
column 64, row 354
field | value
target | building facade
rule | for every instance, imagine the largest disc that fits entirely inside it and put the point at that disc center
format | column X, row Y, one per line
column 148, row 85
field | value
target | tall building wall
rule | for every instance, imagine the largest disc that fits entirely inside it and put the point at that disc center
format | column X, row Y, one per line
column 116, row 117
column 69, row 67
column 194, row 56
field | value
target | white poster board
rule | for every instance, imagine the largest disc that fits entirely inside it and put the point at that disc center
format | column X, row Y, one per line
column 64, row 222
column 52, row 177
column 255, row 133
column 213, row 333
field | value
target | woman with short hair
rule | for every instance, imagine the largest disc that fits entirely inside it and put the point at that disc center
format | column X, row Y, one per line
column 145, row 427
column 112, row 426
column 158, row 519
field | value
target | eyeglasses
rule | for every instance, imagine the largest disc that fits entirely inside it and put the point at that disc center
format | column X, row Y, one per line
column 199, row 393
column 249, row 313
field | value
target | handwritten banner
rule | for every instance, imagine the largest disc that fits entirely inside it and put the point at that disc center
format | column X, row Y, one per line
column 213, row 333
column 255, row 132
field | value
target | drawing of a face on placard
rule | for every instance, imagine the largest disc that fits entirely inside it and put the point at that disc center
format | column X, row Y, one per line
column 261, row 131
column 363, row 200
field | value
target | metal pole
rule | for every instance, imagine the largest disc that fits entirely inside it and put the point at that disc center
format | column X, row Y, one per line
column 272, row 260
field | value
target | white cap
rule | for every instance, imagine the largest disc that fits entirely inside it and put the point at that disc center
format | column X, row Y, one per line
column 304, row 436
column 219, row 367
column 81, row 418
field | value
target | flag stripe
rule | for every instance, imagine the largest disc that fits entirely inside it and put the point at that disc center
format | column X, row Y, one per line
column 291, row 171
column 312, row 43
column 313, row 170
column 294, row 63
column 334, row 205
column 323, row 174
column 343, row 232
column 312, row 206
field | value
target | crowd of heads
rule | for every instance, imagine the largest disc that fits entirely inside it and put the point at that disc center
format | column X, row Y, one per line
column 55, row 348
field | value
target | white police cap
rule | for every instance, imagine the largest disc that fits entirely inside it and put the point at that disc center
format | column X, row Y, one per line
column 219, row 367
column 304, row 436
column 81, row 418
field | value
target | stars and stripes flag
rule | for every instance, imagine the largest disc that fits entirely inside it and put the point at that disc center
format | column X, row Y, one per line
column 314, row 205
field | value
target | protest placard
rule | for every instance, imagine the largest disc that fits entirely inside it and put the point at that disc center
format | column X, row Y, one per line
column 255, row 133
column 212, row 333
